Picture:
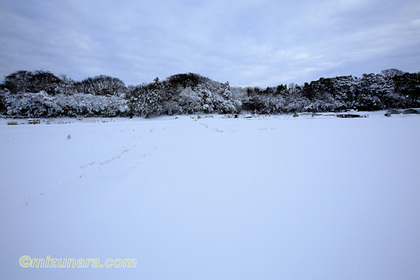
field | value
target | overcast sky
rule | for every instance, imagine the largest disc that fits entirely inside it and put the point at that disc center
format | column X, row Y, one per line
column 248, row 43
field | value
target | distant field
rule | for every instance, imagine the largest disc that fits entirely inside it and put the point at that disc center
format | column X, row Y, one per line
column 214, row 198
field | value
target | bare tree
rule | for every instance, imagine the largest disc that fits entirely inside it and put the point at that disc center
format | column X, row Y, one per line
column 390, row 73
column 18, row 81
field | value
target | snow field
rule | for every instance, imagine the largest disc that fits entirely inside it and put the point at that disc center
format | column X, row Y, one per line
column 214, row 198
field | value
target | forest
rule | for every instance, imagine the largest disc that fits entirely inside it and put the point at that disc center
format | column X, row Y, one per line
column 35, row 94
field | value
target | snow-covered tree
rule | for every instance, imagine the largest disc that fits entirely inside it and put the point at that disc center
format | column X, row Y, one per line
column 103, row 85
column 42, row 94
column 19, row 81
column 146, row 100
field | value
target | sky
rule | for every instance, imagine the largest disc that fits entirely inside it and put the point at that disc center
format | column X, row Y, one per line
column 248, row 43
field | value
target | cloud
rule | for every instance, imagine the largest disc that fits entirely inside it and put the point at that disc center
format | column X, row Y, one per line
column 251, row 42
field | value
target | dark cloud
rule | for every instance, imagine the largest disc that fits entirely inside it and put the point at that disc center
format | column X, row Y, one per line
column 246, row 42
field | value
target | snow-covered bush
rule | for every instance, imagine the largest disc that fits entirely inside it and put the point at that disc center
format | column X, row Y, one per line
column 35, row 105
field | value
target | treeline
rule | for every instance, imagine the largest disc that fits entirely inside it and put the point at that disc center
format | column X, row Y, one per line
column 43, row 94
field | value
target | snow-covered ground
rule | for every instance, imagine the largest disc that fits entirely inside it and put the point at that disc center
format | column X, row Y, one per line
column 213, row 198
